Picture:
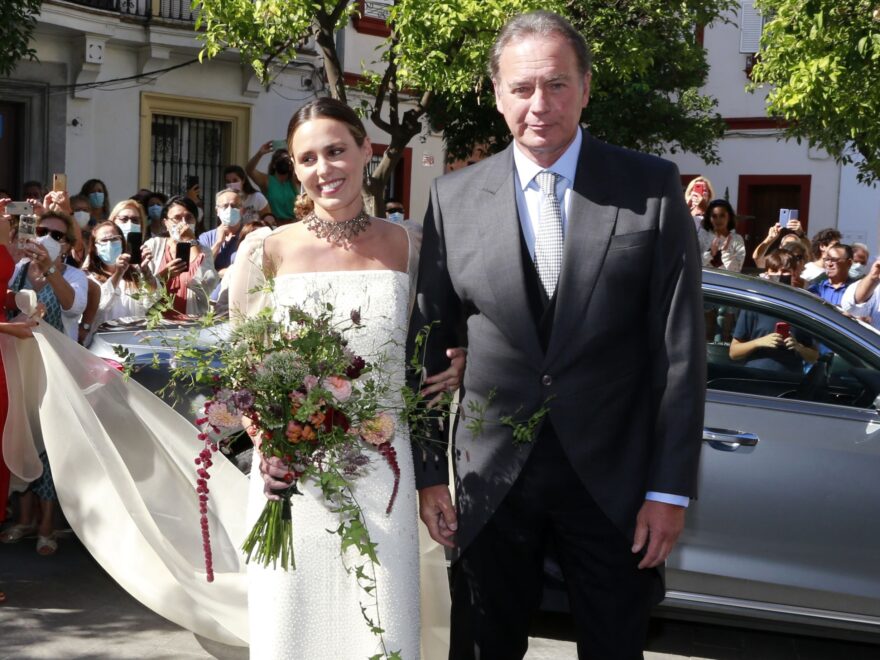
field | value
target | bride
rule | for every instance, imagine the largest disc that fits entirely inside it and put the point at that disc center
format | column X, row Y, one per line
column 341, row 255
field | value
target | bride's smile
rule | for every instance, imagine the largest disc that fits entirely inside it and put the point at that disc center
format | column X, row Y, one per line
column 329, row 164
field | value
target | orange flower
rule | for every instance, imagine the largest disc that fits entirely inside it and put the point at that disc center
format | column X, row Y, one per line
column 294, row 432
column 308, row 434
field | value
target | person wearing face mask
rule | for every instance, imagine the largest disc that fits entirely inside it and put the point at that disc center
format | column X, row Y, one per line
column 188, row 283
column 223, row 241
column 254, row 204
column 278, row 184
column 394, row 211
column 62, row 290
column 124, row 291
column 154, row 203
column 99, row 200
column 60, row 287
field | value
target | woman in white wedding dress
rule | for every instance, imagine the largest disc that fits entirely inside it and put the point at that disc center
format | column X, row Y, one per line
column 338, row 255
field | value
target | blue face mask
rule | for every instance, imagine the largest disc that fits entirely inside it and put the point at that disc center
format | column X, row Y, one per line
column 396, row 216
column 96, row 199
column 155, row 211
column 109, row 252
column 230, row 216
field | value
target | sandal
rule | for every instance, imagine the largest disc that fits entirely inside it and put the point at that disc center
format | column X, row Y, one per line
column 17, row 533
column 47, row 545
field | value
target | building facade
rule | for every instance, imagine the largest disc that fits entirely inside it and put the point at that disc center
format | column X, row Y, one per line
column 761, row 172
column 118, row 94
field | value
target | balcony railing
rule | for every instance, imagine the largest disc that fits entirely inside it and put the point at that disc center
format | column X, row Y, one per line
column 176, row 10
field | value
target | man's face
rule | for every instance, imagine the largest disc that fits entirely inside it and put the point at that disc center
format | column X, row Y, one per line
column 836, row 264
column 33, row 192
column 541, row 93
column 860, row 256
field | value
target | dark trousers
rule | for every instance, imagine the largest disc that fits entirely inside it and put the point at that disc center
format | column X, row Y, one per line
column 497, row 581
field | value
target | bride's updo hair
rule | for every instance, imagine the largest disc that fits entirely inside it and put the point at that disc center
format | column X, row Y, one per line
column 322, row 108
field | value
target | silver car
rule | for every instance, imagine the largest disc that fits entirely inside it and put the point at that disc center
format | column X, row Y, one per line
column 785, row 532
column 786, row 525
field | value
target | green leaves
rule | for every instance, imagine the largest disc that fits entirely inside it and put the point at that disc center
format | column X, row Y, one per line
column 820, row 61
column 16, row 28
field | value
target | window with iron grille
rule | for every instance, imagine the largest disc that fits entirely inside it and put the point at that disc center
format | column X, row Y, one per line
column 185, row 150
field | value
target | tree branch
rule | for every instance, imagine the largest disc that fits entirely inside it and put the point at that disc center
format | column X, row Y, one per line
column 325, row 33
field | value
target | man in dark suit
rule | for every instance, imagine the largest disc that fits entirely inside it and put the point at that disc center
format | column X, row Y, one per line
column 571, row 270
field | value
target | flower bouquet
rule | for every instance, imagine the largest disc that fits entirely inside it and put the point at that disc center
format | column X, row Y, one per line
column 295, row 387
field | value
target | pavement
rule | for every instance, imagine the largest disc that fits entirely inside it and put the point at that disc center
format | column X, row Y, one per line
column 66, row 606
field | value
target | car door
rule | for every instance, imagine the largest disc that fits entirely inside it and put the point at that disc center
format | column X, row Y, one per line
column 789, row 492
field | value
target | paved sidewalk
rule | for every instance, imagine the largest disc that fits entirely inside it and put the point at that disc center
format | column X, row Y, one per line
column 67, row 607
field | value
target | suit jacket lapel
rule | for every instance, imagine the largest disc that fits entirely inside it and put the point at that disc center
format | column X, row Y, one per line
column 590, row 227
column 500, row 231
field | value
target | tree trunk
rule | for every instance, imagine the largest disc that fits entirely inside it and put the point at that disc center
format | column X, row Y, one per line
column 374, row 189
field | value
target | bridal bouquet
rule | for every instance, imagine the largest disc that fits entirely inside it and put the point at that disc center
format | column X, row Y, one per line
column 304, row 397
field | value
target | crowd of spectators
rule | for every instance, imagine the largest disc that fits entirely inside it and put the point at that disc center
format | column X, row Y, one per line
column 91, row 261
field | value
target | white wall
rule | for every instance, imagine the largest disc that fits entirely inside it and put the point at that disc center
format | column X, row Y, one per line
column 836, row 198
column 105, row 142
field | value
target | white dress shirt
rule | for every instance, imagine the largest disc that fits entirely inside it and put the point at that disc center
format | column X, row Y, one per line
column 528, row 203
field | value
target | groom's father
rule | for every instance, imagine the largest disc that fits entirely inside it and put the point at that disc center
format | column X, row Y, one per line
column 571, row 269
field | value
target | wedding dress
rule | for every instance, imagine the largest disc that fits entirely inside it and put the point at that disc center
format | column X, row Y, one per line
column 123, row 468
column 318, row 611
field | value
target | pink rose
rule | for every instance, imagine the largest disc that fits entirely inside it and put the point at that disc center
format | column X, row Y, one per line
column 310, row 382
column 379, row 430
column 339, row 387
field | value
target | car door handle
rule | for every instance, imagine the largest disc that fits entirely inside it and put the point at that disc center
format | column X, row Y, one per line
column 726, row 440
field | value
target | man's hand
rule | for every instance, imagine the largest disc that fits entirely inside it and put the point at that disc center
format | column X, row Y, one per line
column 448, row 380
column 658, row 524
column 438, row 514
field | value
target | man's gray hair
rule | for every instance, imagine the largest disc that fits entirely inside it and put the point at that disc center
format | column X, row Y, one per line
column 237, row 193
column 861, row 246
column 539, row 24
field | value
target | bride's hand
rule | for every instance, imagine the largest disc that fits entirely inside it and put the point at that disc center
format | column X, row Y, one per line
column 448, row 380
column 276, row 476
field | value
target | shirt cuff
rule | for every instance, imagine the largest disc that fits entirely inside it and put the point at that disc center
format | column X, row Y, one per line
column 668, row 498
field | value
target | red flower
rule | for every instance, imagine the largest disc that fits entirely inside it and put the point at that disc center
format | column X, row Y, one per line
column 333, row 417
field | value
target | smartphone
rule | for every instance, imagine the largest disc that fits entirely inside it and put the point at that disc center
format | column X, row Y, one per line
column 192, row 180
column 59, row 182
column 783, row 329
column 793, row 214
column 700, row 188
column 182, row 252
column 20, row 208
column 135, row 240
column 27, row 229
column 279, row 144
column 784, row 217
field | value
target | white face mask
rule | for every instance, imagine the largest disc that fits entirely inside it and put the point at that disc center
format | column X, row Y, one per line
column 52, row 246
column 129, row 227
column 178, row 230
column 235, row 185
column 229, row 216
column 82, row 218
column 396, row 216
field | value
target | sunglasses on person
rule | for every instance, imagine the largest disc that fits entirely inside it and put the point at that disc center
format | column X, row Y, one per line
column 54, row 233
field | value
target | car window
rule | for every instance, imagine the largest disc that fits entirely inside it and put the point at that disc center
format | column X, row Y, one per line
column 762, row 351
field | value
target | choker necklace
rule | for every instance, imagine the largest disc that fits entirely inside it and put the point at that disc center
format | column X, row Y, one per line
column 342, row 231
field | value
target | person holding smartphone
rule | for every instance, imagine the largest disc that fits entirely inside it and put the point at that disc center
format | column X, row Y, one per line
column 768, row 343
column 278, row 184
column 185, row 267
column 124, row 290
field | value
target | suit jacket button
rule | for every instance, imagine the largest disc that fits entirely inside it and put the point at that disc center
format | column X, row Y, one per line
column 546, row 380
